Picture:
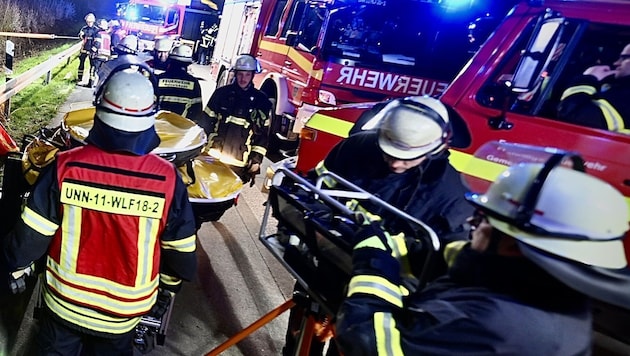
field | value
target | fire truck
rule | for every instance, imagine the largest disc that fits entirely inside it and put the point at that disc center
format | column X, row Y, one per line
column 178, row 19
column 510, row 91
column 323, row 53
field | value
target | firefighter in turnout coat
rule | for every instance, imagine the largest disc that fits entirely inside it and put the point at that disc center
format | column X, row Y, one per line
column 238, row 121
column 178, row 90
column 114, row 224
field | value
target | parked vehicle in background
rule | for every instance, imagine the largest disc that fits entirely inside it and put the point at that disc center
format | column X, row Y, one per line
column 510, row 91
column 178, row 19
column 322, row 53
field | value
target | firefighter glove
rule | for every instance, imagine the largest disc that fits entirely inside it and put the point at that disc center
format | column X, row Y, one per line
column 17, row 279
column 162, row 304
column 371, row 234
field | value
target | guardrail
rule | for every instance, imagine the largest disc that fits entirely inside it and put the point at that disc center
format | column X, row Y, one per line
column 13, row 86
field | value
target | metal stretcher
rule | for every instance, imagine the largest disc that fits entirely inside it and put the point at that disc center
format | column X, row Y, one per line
column 313, row 241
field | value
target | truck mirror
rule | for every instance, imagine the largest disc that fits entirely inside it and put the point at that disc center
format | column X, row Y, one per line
column 540, row 49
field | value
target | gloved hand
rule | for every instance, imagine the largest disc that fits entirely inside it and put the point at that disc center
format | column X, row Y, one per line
column 371, row 234
column 17, row 279
column 162, row 304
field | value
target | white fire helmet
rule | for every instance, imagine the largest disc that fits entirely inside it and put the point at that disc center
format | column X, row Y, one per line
column 90, row 17
column 163, row 44
column 246, row 62
column 413, row 127
column 182, row 53
column 567, row 222
column 576, row 216
column 127, row 102
column 129, row 44
column 103, row 24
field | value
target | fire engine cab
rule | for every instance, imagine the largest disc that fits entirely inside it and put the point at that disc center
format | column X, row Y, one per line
column 510, row 91
column 177, row 19
column 323, row 53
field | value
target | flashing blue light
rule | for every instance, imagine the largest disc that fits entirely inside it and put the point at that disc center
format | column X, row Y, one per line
column 457, row 4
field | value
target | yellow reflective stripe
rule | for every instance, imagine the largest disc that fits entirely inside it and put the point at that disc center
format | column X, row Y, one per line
column 320, row 169
column 259, row 149
column 273, row 47
column 237, row 120
column 179, row 99
column 187, row 244
column 452, row 250
column 387, row 335
column 209, row 112
column 112, row 200
column 71, row 235
column 88, row 318
column 300, row 60
column 579, row 89
column 38, row 222
column 475, row 167
column 148, row 230
column 58, row 276
column 329, row 124
column 169, row 280
column 398, row 245
column 614, row 121
column 176, row 83
column 377, row 286
column 373, row 242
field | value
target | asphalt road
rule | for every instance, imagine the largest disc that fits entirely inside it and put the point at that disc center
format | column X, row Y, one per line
column 238, row 280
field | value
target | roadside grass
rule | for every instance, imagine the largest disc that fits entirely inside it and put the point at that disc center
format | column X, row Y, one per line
column 36, row 105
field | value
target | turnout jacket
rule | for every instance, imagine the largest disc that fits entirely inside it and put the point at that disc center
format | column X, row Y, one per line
column 113, row 226
column 87, row 34
column 588, row 103
column 487, row 305
column 180, row 92
column 238, row 124
column 432, row 192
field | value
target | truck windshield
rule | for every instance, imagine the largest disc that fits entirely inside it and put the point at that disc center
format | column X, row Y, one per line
column 146, row 13
column 400, row 36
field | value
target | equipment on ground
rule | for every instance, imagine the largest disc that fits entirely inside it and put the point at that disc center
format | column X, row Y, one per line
column 151, row 331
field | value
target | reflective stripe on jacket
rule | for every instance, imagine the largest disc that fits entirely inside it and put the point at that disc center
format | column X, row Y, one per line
column 238, row 124
column 110, row 264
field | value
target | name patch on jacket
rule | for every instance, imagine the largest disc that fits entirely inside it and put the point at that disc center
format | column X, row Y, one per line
column 176, row 83
column 112, row 200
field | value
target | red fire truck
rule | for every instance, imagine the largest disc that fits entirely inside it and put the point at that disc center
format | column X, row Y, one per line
column 510, row 91
column 322, row 53
column 178, row 19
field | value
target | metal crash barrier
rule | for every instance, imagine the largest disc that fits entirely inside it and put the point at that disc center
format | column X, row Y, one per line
column 313, row 241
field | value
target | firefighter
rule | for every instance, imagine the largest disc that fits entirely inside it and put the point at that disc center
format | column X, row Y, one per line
column 519, row 287
column 102, row 42
column 206, row 46
column 113, row 223
column 161, row 49
column 87, row 34
column 178, row 90
column 237, row 121
column 405, row 163
column 598, row 98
